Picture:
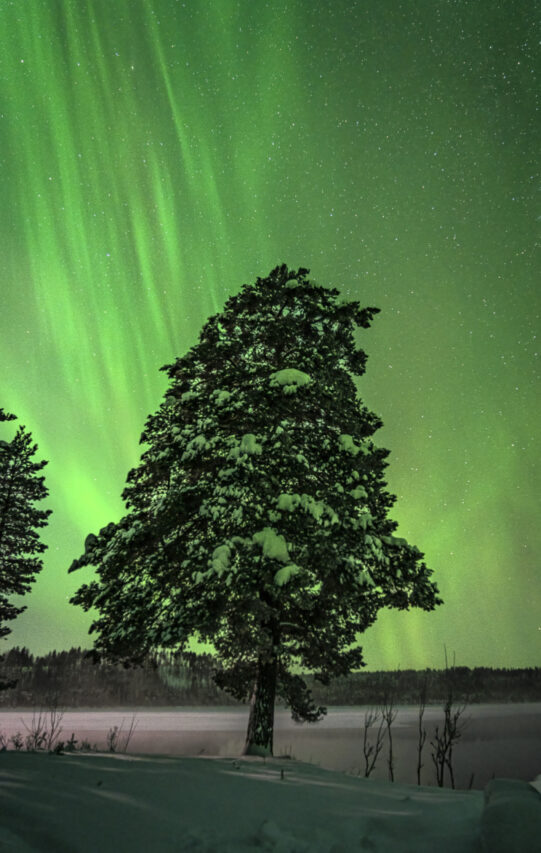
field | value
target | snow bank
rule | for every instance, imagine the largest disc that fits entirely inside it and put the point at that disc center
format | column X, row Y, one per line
column 133, row 803
column 511, row 820
column 86, row 802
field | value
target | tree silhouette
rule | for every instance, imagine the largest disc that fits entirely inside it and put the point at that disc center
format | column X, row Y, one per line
column 257, row 517
column 20, row 520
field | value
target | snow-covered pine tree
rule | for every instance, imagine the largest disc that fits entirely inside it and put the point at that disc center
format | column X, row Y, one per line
column 258, row 514
column 20, row 519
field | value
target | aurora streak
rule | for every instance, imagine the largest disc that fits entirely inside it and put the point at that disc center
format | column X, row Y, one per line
column 157, row 155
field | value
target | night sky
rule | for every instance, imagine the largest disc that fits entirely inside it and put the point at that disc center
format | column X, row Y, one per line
column 155, row 155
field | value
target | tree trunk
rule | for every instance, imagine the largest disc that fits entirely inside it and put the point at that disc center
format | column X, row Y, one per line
column 259, row 735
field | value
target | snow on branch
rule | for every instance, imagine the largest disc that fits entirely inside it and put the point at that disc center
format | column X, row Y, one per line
column 290, row 379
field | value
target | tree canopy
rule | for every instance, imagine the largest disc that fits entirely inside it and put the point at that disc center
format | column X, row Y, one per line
column 257, row 517
column 20, row 520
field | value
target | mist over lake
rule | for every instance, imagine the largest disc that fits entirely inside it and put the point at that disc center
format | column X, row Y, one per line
column 497, row 740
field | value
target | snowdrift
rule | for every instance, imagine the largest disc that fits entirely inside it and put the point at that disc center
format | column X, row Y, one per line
column 88, row 802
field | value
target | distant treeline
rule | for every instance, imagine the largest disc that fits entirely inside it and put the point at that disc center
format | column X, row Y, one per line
column 74, row 681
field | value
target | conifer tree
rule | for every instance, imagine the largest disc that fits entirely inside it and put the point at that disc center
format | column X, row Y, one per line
column 20, row 520
column 257, row 517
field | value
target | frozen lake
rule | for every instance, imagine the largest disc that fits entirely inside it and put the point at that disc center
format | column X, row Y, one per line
column 497, row 740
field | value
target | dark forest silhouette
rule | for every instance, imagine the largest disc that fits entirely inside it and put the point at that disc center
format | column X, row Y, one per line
column 75, row 681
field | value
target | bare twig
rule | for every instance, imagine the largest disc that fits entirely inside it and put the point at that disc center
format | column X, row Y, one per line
column 112, row 739
column 113, row 736
column 422, row 732
column 40, row 734
column 442, row 754
column 133, row 725
column 37, row 733
column 389, row 714
column 370, row 750
column 55, row 718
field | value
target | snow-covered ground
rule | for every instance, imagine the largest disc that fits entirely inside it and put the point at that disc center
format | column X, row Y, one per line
column 96, row 803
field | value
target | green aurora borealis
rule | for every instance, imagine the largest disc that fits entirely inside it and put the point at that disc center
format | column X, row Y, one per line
column 157, row 155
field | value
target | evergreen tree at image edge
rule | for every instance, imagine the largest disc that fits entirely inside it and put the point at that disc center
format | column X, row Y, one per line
column 257, row 516
column 20, row 520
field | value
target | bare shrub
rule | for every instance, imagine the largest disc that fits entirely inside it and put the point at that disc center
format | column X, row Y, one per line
column 444, row 741
column 112, row 739
column 37, row 735
column 17, row 741
column 71, row 744
column 423, row 695
column 371, row 751
column 44, row 729
column 114, row 743
column 388, row 714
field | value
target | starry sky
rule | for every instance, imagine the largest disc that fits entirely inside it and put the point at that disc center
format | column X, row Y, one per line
column 155, row 155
